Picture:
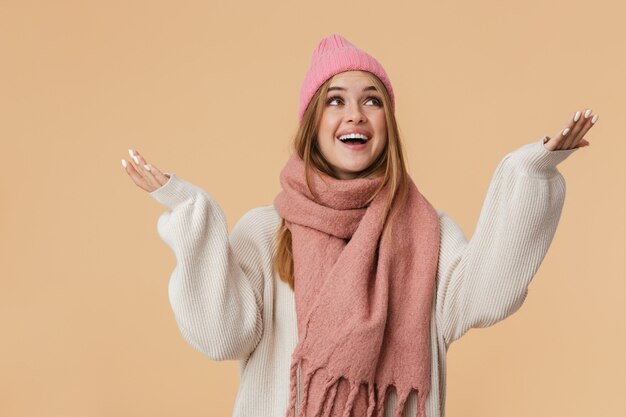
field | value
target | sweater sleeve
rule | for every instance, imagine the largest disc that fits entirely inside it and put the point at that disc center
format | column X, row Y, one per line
column 485, row 279
column 216, row 287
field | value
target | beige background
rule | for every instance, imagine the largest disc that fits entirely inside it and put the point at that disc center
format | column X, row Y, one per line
column 209, row 91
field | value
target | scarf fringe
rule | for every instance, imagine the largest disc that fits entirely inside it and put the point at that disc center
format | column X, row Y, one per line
column 331, row 401
column 330, row 392
column 291, row 408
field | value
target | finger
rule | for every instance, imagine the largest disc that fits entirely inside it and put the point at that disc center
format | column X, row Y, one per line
column 137, row 178
column 555, row 143
column 138, row 167
column 548, row 143
column 582, row 143
column 160, row 177
column 590, row 122
column 560, row 138
column 570, row 142
column 154, row 184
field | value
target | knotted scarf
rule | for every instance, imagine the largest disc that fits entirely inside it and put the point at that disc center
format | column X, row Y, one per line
column 363, row 301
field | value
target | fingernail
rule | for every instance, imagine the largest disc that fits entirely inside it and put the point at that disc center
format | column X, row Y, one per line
column 131, row 153
column 123, row 163
column 566, row 131
column 147, row 167
column 577, row 116
column 136, row 159
column 587, row 113
column 594, row 119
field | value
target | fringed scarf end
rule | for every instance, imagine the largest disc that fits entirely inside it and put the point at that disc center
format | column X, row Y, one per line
column 371, row 403
column 380, row 402
column 402, row 397
column 293, row 376
column 375, row 405
column 421, row 402
column 354, row 389
column 326, row 404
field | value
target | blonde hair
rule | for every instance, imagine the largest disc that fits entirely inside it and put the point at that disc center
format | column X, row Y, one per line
column 390, row 164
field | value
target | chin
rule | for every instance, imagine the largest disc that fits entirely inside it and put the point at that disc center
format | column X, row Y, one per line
column 353, row 171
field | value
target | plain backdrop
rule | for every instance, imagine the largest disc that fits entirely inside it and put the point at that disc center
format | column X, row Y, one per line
column 209, row 90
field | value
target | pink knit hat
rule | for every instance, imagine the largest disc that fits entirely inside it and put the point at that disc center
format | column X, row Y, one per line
column 335, row 54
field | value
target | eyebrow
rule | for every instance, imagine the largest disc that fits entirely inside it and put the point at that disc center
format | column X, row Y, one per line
column 370, row 88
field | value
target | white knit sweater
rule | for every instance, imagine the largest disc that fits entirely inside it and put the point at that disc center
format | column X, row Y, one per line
column 228, row 303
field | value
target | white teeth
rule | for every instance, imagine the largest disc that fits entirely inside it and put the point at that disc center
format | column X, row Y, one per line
column 353, row 136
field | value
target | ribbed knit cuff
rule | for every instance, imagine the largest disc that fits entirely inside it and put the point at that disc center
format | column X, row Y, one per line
column 174, row 192
column 538, row 161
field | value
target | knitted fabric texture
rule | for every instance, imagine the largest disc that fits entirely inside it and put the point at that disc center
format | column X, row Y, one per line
column 335, row 54
column 363, row 300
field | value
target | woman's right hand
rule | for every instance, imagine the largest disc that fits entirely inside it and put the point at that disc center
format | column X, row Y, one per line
column 145, row 175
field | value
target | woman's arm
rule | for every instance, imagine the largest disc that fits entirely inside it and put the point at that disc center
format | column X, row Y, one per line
column 485, row 279
column 216, row 287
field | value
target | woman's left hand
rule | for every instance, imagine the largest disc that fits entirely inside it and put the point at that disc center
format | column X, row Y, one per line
column 572, row 135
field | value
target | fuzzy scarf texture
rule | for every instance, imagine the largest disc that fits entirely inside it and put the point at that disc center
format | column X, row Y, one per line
column 363, row 301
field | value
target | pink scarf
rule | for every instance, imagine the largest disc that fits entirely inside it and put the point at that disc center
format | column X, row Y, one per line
column 363, row 309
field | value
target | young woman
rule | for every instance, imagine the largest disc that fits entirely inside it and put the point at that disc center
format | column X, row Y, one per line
column 343, row 296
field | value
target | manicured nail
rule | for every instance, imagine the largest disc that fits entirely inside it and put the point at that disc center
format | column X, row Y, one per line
column 566, row 131
column 147, row 167
column 123, row 163
column 587, row 113
column 131, row 153
column 594, row 119
column 136, row 159
column 577, row 116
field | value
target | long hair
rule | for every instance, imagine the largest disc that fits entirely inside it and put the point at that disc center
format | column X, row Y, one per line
column 390, row 164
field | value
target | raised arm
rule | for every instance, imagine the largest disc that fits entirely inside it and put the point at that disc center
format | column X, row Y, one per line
column 485, row 279
column 216, row 287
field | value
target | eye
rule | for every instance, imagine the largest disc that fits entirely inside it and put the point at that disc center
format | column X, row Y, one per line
column 333, row 98
column 377, row 102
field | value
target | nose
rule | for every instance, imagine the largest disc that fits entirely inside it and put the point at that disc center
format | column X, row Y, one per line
column 354, row 113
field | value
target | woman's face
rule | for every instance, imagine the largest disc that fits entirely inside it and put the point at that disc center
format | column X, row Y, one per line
column 353, row 105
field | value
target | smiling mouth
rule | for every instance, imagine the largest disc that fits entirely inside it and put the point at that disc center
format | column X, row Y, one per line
column 353, row 140
column 355, row 145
